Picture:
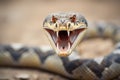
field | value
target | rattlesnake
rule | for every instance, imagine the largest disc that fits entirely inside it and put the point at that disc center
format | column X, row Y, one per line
column 65, row 31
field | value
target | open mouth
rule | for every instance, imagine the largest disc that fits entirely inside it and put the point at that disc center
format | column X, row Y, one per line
column 64, row 39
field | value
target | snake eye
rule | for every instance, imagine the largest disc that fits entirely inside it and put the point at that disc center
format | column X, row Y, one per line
column 73, row 18
column 69, row 25
column 56, row 25
column 54, row 19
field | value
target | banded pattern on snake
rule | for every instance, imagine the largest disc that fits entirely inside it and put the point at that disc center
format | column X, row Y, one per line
column 72, row 66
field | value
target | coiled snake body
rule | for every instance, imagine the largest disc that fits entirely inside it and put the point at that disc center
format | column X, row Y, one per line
column 65, row 30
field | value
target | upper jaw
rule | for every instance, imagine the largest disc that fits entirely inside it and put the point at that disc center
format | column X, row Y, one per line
column 63, row 40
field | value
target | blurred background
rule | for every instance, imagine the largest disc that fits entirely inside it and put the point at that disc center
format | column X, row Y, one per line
column 21, row 20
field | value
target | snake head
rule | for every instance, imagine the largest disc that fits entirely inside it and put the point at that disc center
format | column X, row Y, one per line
column 65, row 31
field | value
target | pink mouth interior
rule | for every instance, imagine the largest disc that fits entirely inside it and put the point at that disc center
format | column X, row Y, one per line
column 64, row 41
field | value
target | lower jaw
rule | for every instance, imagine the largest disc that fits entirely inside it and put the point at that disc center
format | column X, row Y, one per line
column 63, row 53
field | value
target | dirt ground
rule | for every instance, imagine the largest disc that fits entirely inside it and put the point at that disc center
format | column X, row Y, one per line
column 21, row 22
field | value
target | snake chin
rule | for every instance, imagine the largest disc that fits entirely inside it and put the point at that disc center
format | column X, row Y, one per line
column 65, row 41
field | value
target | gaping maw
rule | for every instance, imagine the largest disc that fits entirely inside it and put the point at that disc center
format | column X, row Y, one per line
column 64, row 39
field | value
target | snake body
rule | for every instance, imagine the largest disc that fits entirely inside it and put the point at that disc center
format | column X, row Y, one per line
column 72, row 66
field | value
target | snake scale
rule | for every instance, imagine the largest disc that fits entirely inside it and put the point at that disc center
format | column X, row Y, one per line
column 65, row 31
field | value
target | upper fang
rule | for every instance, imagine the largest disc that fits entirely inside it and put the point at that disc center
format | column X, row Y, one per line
column 57, row 33
column 68, row 32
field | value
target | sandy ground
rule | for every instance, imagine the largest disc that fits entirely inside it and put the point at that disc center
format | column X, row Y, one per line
column 21, row 22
